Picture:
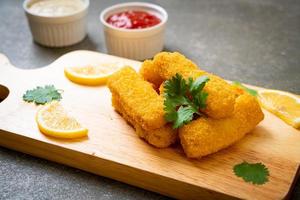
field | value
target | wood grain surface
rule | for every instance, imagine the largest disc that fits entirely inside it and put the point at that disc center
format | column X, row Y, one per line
column 112, row 148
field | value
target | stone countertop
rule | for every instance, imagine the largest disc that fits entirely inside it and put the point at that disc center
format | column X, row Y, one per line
column 251, row 41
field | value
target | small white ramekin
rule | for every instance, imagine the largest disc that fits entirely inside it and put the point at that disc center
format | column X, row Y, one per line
column 57, row 31
column 138, row 44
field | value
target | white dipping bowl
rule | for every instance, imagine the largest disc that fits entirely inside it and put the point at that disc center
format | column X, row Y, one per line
column 138, row 44
column 57, row 31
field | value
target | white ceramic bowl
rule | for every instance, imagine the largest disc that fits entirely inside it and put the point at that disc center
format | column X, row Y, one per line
column 138, row 44
column 57, row 31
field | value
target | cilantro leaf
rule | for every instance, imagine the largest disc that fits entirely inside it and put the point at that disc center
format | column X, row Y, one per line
column 198, row 84
column 184, row 115
column 255, row 173
column 200, row 99
column 183, row 99
column 42, row 95
column 250, row 91
column 176, row 86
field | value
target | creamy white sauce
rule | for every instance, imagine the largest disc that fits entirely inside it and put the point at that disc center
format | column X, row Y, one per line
column 53, row 8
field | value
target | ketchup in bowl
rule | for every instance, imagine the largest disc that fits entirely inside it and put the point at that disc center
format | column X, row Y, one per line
column 133, row 19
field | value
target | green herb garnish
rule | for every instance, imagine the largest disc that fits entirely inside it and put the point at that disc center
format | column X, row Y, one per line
column 183, row 99
column 42, row 95
column 256, row 173
column 250, row 91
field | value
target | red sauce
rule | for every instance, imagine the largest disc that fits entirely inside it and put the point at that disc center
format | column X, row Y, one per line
column 133, row 20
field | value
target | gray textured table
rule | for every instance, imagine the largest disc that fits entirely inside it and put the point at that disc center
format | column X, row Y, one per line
column 252, row 41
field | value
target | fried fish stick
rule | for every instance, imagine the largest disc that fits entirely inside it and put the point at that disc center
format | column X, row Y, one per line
column 164, row 66
column 149, row 74
column 137, row 98
column 161, row 137
column 221, row 95
column 205, row 135
column 141, row 106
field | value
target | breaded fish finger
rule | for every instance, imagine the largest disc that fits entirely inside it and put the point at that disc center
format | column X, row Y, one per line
column 149, row 73
column 164, row 66
column 205, row 135
column 137, row 98
column 221, row 95
column 161, row 137
column 141, row 106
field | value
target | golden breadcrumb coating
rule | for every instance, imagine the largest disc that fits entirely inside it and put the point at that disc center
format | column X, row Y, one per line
column 168, row 64
column 160, row 137
column 148, row 73
column 204, row 136
column 230, row 115
column 141, row 106
column 164, row 66
column 221, row 95
column 161, row 89
column 138, row 99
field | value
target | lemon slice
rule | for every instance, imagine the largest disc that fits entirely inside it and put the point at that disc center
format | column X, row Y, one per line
column 283, row 104
column 53, row 120
column 91, row 74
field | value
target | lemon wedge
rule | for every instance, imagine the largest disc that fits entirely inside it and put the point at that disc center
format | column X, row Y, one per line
column 53, row 121
column 283, row 104
column 91, row 74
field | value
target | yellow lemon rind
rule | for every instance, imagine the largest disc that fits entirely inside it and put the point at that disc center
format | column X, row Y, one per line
column 283, row 117
column 86, row 80
column 58, row 133
column 293, row 122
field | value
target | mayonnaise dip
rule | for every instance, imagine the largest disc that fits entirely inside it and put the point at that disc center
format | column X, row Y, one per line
column 55, row 8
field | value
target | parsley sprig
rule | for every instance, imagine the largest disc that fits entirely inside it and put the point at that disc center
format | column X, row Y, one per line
column 42, row 95
column 255, row 173
column 183, row 99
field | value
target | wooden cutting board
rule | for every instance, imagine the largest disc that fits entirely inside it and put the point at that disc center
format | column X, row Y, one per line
column 112, row 148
